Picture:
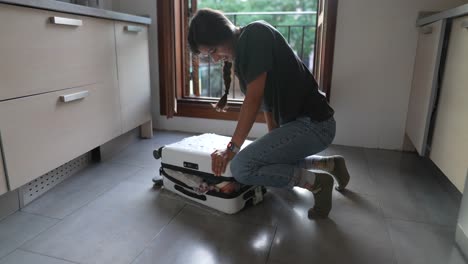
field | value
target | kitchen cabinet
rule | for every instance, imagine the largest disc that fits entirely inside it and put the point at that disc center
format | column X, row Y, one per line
column 43, row 51
column 70, row 83
column 133, row 71
column 449, row 147
column 3, row 182
column 40, row 133
column 424, row 85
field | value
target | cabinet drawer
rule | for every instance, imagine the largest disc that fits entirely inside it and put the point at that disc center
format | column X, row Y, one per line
column 38, row 56
column 449, row 148
column 41, row 132
column 134, row 76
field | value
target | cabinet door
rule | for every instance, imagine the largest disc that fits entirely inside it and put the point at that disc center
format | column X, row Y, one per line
column 38, row 55
column 42, row 132
column 425, row 78
column 3, row 183
column 133, row 72
column 449, row 147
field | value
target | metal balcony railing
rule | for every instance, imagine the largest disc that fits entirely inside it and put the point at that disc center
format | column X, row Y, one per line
column 300, row 36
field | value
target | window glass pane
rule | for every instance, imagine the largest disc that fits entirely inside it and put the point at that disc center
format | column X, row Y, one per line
column 295, row 19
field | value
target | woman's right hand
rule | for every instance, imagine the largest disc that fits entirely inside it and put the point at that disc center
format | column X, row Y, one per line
column 219, row 161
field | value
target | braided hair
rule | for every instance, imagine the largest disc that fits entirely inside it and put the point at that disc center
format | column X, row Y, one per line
column 222, row 103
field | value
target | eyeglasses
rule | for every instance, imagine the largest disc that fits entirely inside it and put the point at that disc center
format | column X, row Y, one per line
column 210, row 52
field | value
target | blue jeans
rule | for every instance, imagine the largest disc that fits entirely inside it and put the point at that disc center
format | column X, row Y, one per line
column 273, row 160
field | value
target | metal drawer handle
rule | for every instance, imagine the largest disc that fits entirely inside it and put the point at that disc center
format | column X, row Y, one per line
column 66, row 21
column 426, row 30
column 464, row 24
column 74, row 96
column 133, row 29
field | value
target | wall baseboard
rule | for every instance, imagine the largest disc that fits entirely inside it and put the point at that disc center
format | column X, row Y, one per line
column 9, row 203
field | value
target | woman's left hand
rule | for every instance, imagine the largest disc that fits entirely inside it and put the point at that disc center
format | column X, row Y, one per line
column 219, row 161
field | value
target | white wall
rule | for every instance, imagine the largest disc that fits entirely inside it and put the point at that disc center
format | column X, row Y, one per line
column 373, row 64
column 374, row 55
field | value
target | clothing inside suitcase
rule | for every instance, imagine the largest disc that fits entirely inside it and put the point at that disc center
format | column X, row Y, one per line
column 215, row 193
column 186, row 170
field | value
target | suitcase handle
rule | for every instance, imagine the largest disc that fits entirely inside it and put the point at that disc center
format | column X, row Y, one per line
column 191, row 194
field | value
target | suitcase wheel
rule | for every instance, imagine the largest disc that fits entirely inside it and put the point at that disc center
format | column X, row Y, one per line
column 158, row 181
column 157, row 153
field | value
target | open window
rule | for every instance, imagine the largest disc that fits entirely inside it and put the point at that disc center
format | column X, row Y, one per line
column 190, row 84
column 325, row 43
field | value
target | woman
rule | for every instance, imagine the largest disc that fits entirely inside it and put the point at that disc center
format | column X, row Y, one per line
column 299, row 119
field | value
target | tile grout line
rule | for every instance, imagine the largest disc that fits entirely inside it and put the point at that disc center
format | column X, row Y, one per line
column 224, row 216
column 387, row 229
column 387, row 218
column 127, row 164
column 123, row 163
column 37, row 214
column 160, row 231
column 271, row 245
column 30, row 251
column 90, row 201
column 58, row 219
column 418, row 222
column 379, row 198
column 41, row 254
column 38, row 234
column 371, row 171
column 66, row 216
column 99, row 195
column 380, row 204
column 8, row 254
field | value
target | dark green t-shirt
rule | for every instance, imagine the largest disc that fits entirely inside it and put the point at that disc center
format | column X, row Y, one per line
column 290, row 90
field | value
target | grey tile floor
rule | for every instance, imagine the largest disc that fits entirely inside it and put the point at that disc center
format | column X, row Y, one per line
column 395, row 211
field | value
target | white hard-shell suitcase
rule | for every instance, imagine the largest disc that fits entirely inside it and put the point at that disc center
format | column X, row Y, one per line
column 190, row 158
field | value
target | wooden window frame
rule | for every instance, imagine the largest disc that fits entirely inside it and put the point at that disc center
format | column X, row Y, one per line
column 325, row 44
column 173, row 75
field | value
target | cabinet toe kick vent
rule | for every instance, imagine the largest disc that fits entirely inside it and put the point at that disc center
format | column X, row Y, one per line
column 32, row 190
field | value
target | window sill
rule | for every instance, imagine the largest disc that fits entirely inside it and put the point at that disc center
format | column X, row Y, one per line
column 202, row 108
